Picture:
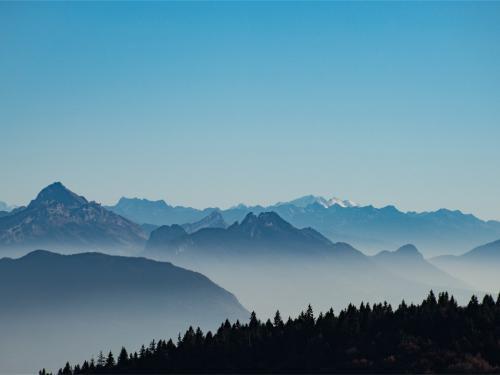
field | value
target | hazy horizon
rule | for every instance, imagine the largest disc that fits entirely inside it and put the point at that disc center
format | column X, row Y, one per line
column 208, row 205
column 214, row 104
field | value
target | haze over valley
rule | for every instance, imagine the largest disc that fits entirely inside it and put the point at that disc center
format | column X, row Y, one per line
column 249, row 187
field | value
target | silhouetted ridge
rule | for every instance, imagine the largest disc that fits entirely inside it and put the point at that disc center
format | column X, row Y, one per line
column 55, row 305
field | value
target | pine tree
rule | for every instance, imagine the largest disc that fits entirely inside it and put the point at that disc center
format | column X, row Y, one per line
column 67, row 369
column 278, row 322
column 123, row 357
column 110, row 361
column 254, row 322
column 101, row 360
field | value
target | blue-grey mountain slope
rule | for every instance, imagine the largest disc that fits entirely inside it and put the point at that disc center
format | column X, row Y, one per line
column 408, row 263
column 479, row 266
column 213, row 220
column 62, row 220
column 56, row 306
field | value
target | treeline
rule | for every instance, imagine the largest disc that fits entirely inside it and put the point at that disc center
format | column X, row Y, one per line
column 435, row 336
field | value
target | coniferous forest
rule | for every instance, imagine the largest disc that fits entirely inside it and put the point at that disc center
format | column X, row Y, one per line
column 437, row 335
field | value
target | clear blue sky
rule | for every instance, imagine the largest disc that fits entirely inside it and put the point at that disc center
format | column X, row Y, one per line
column 209, row 104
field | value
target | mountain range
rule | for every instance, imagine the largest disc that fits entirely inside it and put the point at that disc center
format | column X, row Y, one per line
column 365, row 227
column 271, row 259
column 57, row 306
column 264, row 235
column 62, row 220
column 268, row 262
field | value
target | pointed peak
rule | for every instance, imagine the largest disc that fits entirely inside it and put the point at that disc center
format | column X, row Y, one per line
column 249, row 218
column 58, row 193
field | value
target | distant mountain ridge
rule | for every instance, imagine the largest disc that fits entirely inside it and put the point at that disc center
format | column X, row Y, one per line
column 266, row 234
column 365, row 227
column 143, row 211
column 62, row 220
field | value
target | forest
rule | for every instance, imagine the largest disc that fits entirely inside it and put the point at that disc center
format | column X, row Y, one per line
column 436, row 335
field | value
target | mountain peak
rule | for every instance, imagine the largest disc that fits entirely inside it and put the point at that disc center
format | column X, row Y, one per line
column 405, row 252
column 408, row 249
column 249, row 219
column 58, row 193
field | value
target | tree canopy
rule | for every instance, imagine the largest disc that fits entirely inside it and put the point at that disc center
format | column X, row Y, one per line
column 437, row 335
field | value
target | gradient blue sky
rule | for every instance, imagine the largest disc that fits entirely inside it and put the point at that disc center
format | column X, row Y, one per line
column 209, row 104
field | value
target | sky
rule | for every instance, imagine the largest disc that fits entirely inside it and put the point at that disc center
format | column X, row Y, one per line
column 213, row 104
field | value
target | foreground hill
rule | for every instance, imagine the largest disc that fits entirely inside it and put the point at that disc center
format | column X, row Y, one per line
column 60, row 219
column 479, row 266
column 366, row 227
column 70, row 305
column 270, row 264
column 436, row 336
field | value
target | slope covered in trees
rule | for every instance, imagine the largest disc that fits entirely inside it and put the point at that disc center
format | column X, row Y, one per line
column 436, row 336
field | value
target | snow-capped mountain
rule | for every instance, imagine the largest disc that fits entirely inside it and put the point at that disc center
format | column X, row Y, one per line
column 312, row 199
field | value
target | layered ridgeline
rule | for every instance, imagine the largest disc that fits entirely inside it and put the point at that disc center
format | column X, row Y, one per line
column 365, row 227
column 67, row 306
column 436, row 336
column 212, row 220
column 270, row 263
column 62, row 220
column 479, row 266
